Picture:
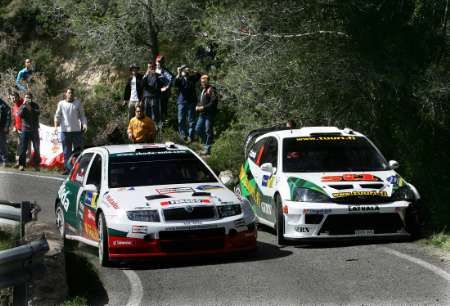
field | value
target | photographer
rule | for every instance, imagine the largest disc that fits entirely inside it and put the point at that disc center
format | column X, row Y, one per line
column 185, row 82
column 152, row 85
column 29, row 113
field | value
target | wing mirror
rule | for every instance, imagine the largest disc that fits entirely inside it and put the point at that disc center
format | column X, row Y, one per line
column 267, row 167
column 90, row 188
column 393, row 164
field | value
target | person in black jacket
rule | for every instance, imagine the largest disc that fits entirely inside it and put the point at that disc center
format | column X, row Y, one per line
column 133, row 90
column 5, row 122
column 206, row 109
column 29, row 112
column 152, row 85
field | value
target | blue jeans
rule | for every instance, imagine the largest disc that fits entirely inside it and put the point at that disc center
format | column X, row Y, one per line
column 70, row 142
column 152, row 109
column 25, row 138
column 204, row 129
column 186, row 109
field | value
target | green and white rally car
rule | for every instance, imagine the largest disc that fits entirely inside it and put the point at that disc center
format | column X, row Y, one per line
column 143, row 201
column 319, row 183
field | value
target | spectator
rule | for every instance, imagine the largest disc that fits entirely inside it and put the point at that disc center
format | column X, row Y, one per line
column 5, row 121
column 133, row 90
column 29, row 113
column 141, row 128
column 152, row 85
column 290, row 124
column 70, row 116
column 186, row 100
column 16, row 102
column 167, row 78
column 206, row 108
column 24, row 76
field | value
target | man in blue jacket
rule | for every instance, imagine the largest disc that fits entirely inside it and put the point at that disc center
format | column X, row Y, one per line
column 24, row 76
column 5, row 122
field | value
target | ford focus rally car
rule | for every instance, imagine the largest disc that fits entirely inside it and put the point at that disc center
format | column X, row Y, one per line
column 323, row 182
column 143, row 201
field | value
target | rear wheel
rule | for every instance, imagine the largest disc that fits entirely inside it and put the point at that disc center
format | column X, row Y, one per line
column 279, row 225
column 60, row 221
column 103, row 251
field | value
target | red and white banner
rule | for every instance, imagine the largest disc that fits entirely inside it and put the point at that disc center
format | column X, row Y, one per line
column 51, row 148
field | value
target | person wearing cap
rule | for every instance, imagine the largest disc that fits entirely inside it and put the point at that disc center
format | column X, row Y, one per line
column 141, row 128
column 167, row 79
column 185, row 82
column 133, row 90
column 152, row 85
column 206, row 109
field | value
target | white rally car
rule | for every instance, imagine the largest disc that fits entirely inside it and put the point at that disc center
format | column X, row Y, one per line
column 323, row 182
column 143, row 201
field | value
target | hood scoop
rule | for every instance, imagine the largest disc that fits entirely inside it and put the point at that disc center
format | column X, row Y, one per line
column 201, row 194
column 372, row 186
column 157, row 196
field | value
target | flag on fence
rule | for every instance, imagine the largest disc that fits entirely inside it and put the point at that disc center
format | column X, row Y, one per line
column 51, row 149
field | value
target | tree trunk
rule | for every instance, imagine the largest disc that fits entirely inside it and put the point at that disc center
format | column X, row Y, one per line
column 153, row 31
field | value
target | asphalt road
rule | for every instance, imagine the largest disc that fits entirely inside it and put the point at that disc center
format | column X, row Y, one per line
column 349, row 274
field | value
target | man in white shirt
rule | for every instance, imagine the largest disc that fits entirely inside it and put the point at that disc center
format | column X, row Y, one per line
column 72, row 120
column 133, row 90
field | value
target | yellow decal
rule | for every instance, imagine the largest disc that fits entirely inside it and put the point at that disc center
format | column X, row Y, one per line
column 360, row 193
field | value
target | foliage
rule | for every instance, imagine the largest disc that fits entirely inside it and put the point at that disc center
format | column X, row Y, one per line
column 76, row 301
column 440, row 240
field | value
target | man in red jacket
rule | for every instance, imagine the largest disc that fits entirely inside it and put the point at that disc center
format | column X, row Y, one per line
column 16, row 102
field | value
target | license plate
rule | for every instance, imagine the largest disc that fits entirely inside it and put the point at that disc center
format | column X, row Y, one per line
column 364, row 232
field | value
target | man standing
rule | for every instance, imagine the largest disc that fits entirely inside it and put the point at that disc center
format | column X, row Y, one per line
column 23, row 79
column 70, row 116
column 152, row 85
column 5, row 121
column 206, row 108
column 166, row 77
column 29, row 113
column 141, row 128
column 17, row 102
column 133, row 90
column 185, row 83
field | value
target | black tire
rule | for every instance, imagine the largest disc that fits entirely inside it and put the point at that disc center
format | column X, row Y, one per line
column 279, row 224
column 412, row 222
column 103, row 252
column 60, row 220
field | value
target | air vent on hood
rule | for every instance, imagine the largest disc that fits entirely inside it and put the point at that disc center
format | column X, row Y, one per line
column 156, row 196
column 341, row 187
column 372, row 186
column 201, row 194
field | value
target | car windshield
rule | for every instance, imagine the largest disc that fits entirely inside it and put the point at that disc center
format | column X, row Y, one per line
column 157, row 168
column 331, row 154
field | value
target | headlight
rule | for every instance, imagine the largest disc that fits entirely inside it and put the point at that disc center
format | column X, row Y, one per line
column 143, row 215
column 229, row 210
column 404, row 194
column 309, row 195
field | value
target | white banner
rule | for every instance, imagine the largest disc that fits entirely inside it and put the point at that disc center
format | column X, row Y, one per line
column 51, row 147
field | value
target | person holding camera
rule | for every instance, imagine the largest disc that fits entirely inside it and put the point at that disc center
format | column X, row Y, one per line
column 167, row 79
column 29, row 113
column 185, row 82
column 70, row 116
column 152, row 85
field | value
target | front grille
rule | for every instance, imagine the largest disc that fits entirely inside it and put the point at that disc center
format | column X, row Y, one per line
column 347, row 224
column 341, row 187
column 197, row 213
column 361, row 200
column 194, row 240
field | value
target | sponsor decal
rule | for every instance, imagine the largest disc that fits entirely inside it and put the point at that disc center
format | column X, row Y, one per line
column 192, row 222
column 186, row 201
column 366, row 177
column 208, row 187
column 110, row 200
column 89, row 227
column 266, row 208
column 327, row 138
column 360, row 193
column 139, row 229
column 392, row 179
column 265, row 180
column 360, row 208
column 195, row 227
column 63, row 195
column 317, row 211
column 302, row 229
column 123, row 243
column 147, row 153
column 90, row 199
column 174, row 190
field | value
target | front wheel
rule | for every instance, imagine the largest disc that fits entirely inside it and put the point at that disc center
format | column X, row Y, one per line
column 279, row 225
column 60, row 221
column 103, row 250
column 413, row 222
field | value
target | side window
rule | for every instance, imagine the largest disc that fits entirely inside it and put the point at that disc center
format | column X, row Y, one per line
column 95, row 172
column 80, row 168
column 257, row 151
column 271, row 152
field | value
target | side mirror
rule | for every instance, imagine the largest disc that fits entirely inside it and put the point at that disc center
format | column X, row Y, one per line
column 393, row 164
column 267, row 167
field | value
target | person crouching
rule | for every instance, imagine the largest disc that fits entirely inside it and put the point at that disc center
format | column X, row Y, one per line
column 141, row 128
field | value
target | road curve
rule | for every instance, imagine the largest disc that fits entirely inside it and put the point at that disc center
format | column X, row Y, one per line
column 350, row 274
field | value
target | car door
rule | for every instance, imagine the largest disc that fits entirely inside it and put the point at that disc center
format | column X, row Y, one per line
column 87, row 203
column 70, row 191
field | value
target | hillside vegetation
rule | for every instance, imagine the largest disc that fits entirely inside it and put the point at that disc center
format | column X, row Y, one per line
column 379, row 67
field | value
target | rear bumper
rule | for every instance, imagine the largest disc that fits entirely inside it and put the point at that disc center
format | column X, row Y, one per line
column 127, row 248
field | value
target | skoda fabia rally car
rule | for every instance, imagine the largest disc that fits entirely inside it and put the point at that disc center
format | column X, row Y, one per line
column 143, row 201
column 323, row 182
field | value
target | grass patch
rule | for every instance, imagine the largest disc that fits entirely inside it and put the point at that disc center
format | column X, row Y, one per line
column 85, row 288
column 440, row 240
column 7, row 240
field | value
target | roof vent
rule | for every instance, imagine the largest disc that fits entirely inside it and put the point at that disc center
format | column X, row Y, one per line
column 349, row 131
column 170, row 145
